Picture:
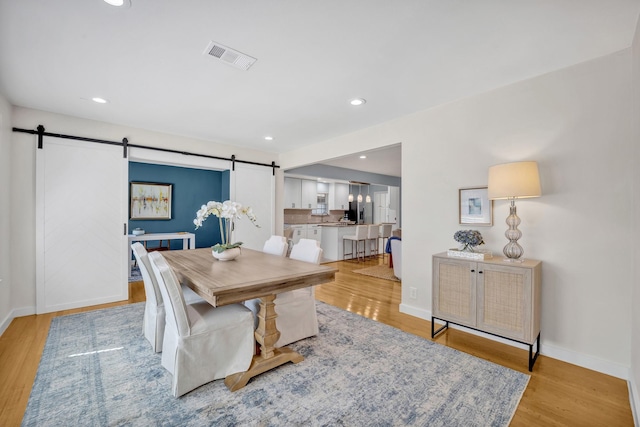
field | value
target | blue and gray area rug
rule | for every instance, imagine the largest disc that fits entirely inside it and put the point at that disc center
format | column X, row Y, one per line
column 98, row 370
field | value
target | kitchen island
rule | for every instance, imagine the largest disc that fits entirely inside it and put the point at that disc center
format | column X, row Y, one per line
column 332, row 244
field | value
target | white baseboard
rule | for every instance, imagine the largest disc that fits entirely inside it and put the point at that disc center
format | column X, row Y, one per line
column 6, row 322
column 18, row 312
column 586, row 361
column 634, row 399
column 415, row 311
column 547, row 350
column 85, row 303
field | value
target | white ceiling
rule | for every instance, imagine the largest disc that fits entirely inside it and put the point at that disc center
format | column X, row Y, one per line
column 383, row 161
column 313, row 56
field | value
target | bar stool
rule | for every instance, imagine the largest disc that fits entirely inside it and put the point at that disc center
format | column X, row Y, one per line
column 385, row 234
column 360, row 236
column 373, row 234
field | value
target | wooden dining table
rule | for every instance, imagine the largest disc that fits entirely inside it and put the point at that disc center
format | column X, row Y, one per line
column 253, row 274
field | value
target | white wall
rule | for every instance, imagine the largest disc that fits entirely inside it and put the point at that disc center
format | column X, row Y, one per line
column 635, row 301
column 22, row 207
column 5, row 212
column 576, row 123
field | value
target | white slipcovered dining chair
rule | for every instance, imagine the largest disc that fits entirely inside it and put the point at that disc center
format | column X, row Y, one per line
column 297, row 318
column 202, row 343
column 307, row 250
column 154, row 311
column 276, row 245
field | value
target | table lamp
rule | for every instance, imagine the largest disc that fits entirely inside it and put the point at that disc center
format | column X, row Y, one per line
column 513, row 181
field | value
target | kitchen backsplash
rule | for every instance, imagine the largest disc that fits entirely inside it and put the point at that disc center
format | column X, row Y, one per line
column 304, row 216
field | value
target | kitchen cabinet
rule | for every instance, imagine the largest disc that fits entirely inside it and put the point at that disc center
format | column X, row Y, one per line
column 489, row 296
column 340, row 196
column 309, row 194
column 299, row 232
column 300, row 193
column 306, row 231
column 292, row 193
column 322, row 187
column 314, row 231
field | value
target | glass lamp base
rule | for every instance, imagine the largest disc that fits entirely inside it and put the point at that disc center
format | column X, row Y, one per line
column 513, row 251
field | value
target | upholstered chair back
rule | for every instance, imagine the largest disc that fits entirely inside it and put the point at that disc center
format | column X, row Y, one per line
column 307, row 250
column 361, row 232
column 373, row 231
column 276, row 245
column 175, row 307
column 151, row 289
column 385, row 233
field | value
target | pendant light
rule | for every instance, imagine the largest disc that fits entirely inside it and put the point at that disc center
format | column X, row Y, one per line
column 368, row 199
column 359, row 195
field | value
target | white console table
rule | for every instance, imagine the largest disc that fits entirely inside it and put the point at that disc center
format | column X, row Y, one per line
column 188, row 239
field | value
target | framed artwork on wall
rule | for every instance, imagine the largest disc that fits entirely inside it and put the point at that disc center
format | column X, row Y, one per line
column 150, row 200
column 474, row 206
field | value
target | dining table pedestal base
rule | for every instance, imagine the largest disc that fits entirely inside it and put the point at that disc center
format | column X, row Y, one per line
column 260, row 365
column 266, row 335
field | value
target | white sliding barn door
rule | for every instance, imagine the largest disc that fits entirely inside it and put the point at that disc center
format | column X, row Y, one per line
column 81, row 209
column 254, row 186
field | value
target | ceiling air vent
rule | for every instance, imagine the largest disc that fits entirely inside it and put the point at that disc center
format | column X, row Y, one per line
column 230, row 56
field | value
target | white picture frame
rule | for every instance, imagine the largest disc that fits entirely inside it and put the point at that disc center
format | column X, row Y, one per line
column 474, row 206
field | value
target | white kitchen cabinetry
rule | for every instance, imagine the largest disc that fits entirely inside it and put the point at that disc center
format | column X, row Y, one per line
column 299, row 232
column 314, row 232
column 322, row 187
column 292, row 193
column 489, row 296
column 309, row 194
column 341, row 197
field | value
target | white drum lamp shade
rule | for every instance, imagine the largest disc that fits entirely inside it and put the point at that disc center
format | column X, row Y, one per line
column 514, row 181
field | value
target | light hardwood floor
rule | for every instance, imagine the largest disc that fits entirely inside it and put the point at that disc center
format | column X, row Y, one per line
column 558, row 394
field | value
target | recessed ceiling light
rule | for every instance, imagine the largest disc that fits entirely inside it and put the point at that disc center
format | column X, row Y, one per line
column 363, row 157
column 357, row 101
column 119, row 3
column 268, row 138
column 99, row 100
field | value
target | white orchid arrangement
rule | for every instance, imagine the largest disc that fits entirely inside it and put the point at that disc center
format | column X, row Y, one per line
column 227, row 212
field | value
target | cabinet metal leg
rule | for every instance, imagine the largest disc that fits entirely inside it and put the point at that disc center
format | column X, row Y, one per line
column 532, row 357
column 442, row 328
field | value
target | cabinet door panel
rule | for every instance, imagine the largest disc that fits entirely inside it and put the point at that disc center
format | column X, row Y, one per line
column 454, row 291
column 341, row 196
column 292, row 191
column 309, row 194
column 504, row 301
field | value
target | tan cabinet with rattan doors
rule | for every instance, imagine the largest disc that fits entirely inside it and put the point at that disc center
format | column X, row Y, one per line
column 491, row 296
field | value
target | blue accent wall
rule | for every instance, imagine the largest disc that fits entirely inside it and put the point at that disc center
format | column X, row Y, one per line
column 226, row 185
column 191, row 189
